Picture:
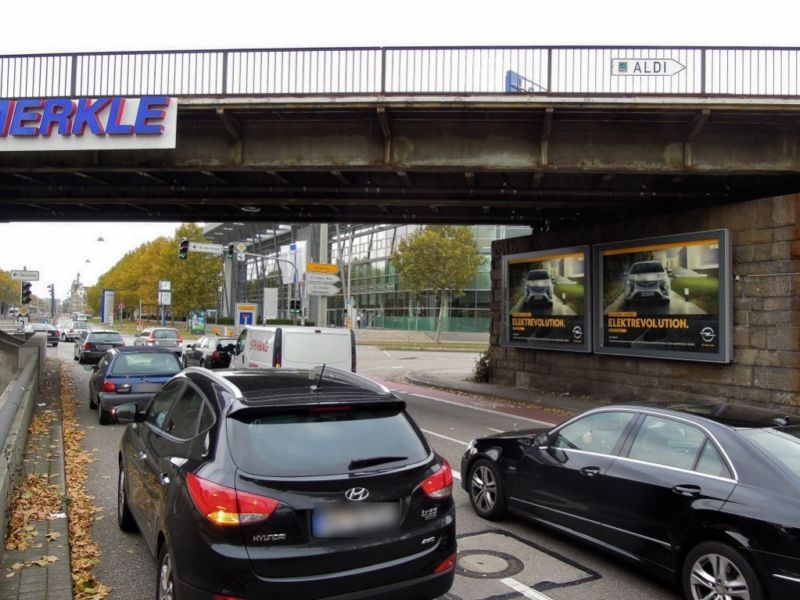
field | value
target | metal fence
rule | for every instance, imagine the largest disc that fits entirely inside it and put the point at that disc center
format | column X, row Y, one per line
column 548, row 71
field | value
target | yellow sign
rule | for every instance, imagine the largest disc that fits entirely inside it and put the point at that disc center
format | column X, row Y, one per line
column 23, row 312
column 322, row 268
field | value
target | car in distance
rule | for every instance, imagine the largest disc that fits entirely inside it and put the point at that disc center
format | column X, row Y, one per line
column 647, row 279
column 73, row 330
column 92, row 345
column 705, row 495
column 53, row 336
column 163, row 337
column 538, row 287
column 291, row 483
column 201, row 353
column 129, row 375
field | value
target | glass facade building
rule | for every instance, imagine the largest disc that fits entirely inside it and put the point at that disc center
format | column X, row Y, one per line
column 363, row 253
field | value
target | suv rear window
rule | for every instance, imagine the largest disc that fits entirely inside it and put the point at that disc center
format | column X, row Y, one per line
column 149, row 363
column 104, row 337
column 312, row 443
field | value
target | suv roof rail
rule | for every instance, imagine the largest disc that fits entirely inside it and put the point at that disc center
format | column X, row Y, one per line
column 353, row 379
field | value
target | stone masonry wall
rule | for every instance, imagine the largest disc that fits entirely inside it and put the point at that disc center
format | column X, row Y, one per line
column 766, row 314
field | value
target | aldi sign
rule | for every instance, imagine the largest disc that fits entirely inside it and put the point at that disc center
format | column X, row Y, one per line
column 105, row 123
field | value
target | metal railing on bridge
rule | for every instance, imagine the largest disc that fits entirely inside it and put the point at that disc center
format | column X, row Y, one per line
column 547, row 70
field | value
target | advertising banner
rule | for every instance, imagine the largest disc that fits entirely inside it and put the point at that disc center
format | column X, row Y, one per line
column 197, row 322
column 546, row 300
column 665, row 297
column 107, row 307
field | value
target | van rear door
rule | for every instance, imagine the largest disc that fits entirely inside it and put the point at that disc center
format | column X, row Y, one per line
column 310, row 347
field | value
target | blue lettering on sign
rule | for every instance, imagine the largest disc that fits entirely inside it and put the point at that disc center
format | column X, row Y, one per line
column 36, row 117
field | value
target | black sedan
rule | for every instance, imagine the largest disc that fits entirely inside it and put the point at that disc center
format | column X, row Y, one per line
column 92, row 345
column 286, row 483
column 707, row 495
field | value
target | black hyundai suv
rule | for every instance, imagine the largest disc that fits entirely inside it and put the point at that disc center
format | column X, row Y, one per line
column 284, row 483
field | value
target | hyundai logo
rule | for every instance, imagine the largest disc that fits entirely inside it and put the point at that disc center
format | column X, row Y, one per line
column 357, row 494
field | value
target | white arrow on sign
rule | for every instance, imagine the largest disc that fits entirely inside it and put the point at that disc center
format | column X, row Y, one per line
column 207, row 248
column 25, row 275
column 322, row 289
column 322, row 278
column 646, row 67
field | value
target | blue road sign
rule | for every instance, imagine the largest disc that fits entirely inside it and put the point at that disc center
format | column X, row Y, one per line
column 245, row 318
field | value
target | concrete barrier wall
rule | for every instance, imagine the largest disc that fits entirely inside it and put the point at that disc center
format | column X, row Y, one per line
column 33, row 349
column 766, row 304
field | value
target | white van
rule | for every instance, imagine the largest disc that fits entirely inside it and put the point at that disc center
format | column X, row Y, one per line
column 295, row 347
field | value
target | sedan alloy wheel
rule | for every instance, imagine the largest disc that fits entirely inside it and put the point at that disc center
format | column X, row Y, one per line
column 166, row 583
column 714, row 571
column 486, row 490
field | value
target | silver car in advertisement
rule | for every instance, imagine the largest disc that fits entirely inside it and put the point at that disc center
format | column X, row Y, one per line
column 538, row 286
column 647, row 279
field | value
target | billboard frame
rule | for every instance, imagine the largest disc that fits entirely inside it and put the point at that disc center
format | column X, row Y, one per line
column 505, row 310
column 724, row 354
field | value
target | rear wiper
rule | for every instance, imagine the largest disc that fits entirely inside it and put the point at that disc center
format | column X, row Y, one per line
column 360, row 463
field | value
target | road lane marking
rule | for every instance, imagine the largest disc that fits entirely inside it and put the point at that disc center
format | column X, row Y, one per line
column 478, row 408
column 456, row 474
column 524, row 589
column 444, row 437
column 495, row 430
column 387, row 354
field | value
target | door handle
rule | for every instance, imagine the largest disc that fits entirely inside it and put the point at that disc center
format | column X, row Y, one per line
column 142, row 455
column 164, row 479
column 590, row 471
column 687, row 490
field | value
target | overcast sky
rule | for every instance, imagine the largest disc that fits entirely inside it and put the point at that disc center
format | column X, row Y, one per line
column 59, row 251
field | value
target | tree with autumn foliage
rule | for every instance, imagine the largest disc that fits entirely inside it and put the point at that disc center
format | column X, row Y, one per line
column 195, row 281
column 440, row 258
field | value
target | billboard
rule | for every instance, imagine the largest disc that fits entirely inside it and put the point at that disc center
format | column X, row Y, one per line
column 666, row 297
column 546, row 300
column 107, row 307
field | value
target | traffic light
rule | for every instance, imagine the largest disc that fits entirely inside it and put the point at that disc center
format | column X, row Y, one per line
column 26, row 292
column 230, row 250
column 183, row 252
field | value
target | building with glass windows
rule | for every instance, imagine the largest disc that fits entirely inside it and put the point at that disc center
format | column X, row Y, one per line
column 362, row 253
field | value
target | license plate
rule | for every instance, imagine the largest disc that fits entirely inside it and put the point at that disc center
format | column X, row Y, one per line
column 349, row 520
column 647, row 294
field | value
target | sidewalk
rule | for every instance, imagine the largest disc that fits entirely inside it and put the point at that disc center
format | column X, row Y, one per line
column 457, row 380
column 35, row 563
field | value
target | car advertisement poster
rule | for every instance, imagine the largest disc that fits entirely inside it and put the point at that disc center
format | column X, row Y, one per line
column 665, row 297
column 546, row 300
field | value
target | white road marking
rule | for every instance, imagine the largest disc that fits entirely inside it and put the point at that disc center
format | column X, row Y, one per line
column 495, row 430
column 524, row 589
column 456, row 475
column 387, row 354
column 478, row 408
column 444, row 437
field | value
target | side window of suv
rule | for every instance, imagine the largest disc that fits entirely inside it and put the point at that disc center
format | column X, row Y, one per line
column 182, row 421
column 159, row 406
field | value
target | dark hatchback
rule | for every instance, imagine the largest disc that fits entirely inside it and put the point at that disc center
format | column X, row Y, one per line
column 707, row 496
column 92, row 345
column 286, row 484
column 129, row 374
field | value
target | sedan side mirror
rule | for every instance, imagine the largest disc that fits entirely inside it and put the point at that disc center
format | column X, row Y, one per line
column 541, row 441
column 127, row 413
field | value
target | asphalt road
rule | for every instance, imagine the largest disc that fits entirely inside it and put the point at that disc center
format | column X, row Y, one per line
column 510, row 559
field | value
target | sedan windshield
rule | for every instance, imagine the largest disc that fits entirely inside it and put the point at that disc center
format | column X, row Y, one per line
column 165, row 334
column 537, row 275
column 783, row 445
column 105, row 337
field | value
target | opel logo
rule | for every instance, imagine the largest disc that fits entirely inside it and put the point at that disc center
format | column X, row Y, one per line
column 707, row 334
column 357, row 494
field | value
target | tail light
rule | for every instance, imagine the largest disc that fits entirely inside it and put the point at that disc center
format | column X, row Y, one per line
column 447, row 564
column 179, row 340
column 226, row 506
column 439, row 485
column 215, row 355
column 87, row 346
column 109, row 386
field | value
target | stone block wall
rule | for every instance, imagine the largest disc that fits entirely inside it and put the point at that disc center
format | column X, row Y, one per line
column 766, row 314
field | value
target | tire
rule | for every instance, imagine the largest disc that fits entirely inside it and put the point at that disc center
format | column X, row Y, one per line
column 716, row 566
column 63, row 338
column 486, row 492
column 165, row 576
column 184, row 362
column 92, row 403
column 102, row 415
column 202, row 363
column 125, row 519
